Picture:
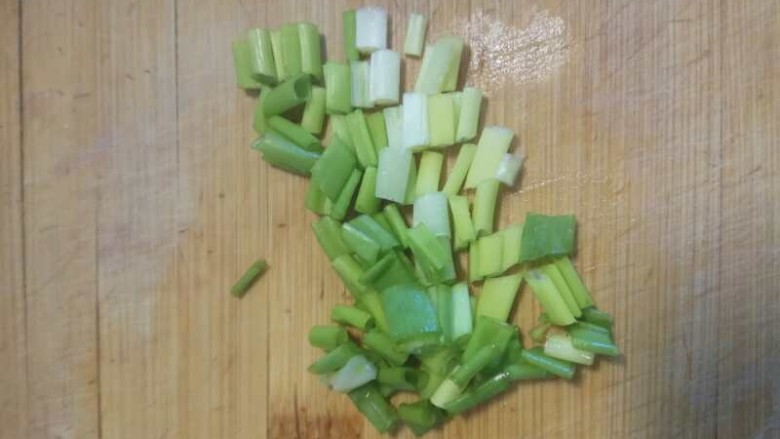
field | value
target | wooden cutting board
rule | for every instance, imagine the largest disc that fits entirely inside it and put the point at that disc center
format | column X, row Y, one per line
column 130, row 201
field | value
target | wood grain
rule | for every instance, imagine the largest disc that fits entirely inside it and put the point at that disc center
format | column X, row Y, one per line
column 129, row 203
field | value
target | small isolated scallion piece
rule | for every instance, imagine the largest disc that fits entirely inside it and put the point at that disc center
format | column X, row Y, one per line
column 509, row 168
column 370, row 29
column 384, row 77
column 414, row 41
column 241, row 287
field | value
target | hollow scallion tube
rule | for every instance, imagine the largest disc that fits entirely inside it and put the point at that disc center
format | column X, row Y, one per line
column 311, row 50
column 485, row 206
column 484, row 392
column 327, row 337
column 348, row 28
column 397, row 223
column 455, row 45
column 429, row 173
column 493, row 144
column 441, row 119
column 295, row 133
column 370, row 29
column 393, row 170
column 291, row 47
column 460, row 169
column 370, row 402
column 242, row 62
column 289, row 94
column 431, row 209
column 278, row 51
column 341, row 205
column 280, row 152
column 338, row 88
column 560, row 347
column 561, row 368
column 360, row 77
column 335, row 359
column 509, row 168
column 262, row 57
column 414, row 41
column 241, row 287
column 415, row 133
column 468, row 119
column 314, row 111
column 498, row 296
column 366, row 201
column 385, row 347
column 573, row 279
column 385, row 77
column 552, row 302
column 461, row 220
column 551, row 270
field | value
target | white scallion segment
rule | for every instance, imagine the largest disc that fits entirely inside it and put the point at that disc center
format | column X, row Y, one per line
column 393, row 169
column 493, row 144
column 432, row 210
column 394, row 126
column 441, row 119
column 462, row 322
column 468, row 119
column 446, row 392
column 360, row 77
column 455, row 47
column 370, row 29
column 560, row 347
column 355, row 373
column 385, row 76
column 434, row 69
column 415, row 121
column 509, row 168
column 415, row 35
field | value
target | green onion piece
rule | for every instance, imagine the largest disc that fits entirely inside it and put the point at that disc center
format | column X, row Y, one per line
column 400, row 378
column 468, row 119
column 397, row 222
column 563, row 289
column 461, row 221
column 289, row 94
column 431, row 209
column 278, row 52
column 493, row 144
column 480, row 394
column 384, row 77
column 434, row 69
column 560, row 347
column 485, row 206
column 525, row 372
column 334, row 168
column 311, row 50
column 328, row 233
column 455, row 46
column 475, row 269
column 457, row 381
column 259, row 121
column 432, row 255
column 545, row 291
column 350, row 271
column 461, row 319
column 373, row 229
column 420, row 416
column 460, row 169
column 409, row 312
column 341, row 205
column 498, row 296
column 242, row 61
column 357, row 372
column 580, row 292
column 249, row 277
column 415, row 35
column 592, row 327
column 441, row 297
column 327, row 337
column 391, row 269
column 393, row 126
column 371, row 303
column 414, row 121
column 360, row 72
column 411, row 183
column 380, row 218
column 361, row 244
column 284, row 154
column 377, row 130
column 348, row 27
column 536, row 356
column 341, row 130
column 441, row 119
column 596, row 317
column 545, row 236
column 488, row 331
column 338, row 88
column 429, row 173
column 509, row 168
column 291, row 47
column 593, row 341
column 314, row 111
column 358, row 129
column 262, row 57
column 370, row 402
column 295, row 133
column 351, row 316
column 385, row 347
column 335, row 359
column 539, row 332
column 370, row 29
column 316, row 200
column 366, row 201
column 511, row 237
column 393, row 174
column 491, row 252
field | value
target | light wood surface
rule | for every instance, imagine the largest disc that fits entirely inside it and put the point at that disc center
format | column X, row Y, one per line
column 130, row 201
